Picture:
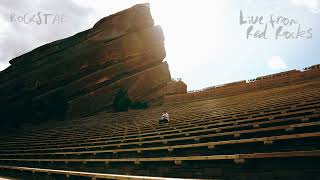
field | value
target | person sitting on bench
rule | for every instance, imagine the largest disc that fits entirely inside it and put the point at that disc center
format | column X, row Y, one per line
column 164, row 118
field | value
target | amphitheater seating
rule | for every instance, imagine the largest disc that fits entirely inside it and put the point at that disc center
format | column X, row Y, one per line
column 214, row 138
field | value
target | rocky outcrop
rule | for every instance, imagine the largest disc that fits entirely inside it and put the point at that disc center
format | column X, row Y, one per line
column 262, row 83
column 80, row 75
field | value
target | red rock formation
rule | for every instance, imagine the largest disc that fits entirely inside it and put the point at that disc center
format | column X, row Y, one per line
column 258, row 84
column 121, row 51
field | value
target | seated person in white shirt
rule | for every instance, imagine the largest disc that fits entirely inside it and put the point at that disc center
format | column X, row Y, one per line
column 164, row 118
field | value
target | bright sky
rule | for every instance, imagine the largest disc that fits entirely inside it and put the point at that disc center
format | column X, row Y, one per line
column 205, row 43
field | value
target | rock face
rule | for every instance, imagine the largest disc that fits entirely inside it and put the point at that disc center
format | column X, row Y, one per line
column 80, row 75
column 261, row 83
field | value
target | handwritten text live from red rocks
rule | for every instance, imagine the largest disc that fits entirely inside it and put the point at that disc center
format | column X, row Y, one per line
column 273, row 26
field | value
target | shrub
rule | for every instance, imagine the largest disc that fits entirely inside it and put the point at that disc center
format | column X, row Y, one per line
column 138, row 105
column 121, row 101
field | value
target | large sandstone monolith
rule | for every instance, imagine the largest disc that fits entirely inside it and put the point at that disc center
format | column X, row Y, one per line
column 80, row 75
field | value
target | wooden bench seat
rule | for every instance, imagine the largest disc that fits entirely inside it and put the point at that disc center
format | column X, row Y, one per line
column 210, row 145
column 234, row 157
column 93, row 176
column 165, row 141
column 114, row 137
column 206, row 128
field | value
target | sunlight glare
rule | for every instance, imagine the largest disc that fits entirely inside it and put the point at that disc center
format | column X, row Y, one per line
column 193, row 31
